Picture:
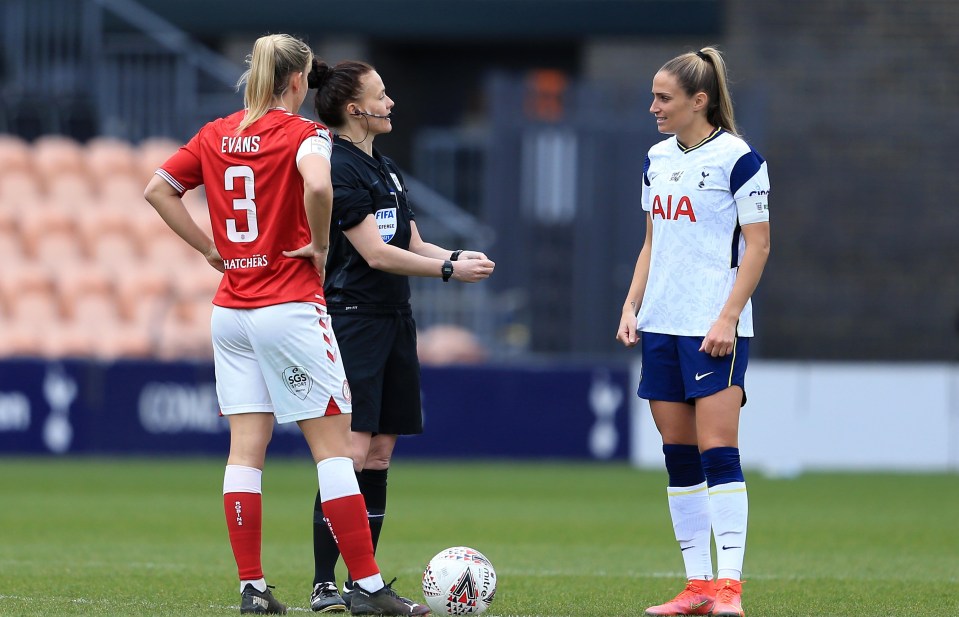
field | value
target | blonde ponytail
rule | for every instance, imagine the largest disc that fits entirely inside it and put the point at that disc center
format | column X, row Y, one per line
column 274, row 58
column 705, row 71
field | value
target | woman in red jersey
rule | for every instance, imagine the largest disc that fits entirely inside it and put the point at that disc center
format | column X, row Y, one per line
column 267, row 176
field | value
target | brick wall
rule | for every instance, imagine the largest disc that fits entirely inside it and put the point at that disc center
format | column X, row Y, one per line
column 859, row 124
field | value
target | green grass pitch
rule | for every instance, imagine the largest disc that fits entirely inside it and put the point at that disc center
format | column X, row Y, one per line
column 146, row 537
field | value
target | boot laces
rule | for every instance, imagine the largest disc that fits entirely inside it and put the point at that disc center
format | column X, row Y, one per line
column 728, row 592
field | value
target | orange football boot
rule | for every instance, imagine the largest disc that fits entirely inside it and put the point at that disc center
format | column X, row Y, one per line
column 696, row 599
column 729, row 598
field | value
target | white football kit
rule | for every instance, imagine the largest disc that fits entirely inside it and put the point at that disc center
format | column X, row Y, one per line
column 698, row 198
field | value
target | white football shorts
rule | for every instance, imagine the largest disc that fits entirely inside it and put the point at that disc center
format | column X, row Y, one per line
column 281, row 359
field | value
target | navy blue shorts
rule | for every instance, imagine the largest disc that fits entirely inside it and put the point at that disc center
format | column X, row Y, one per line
column 379, row 355
column 675, row 370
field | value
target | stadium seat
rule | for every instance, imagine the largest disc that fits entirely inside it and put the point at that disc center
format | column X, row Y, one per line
column 168, row 248
column 25, row 277
column 42, row 220
column 54, row 155
column 72, row 189
column 14, row 155
column 114, row 251
column 38, row 304
column 90, row 269
column 185, row 331
column 65, row 340
column 197, row 282
column 123, row 341
column 152, row 153
column 79, row 281
column 108, row 158
column 125, row 189
column 446, row 344
column 19, row 188
column 10, row 247
column 57, row 249
column 143, row 291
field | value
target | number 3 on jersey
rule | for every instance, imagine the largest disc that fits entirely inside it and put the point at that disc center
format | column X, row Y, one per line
column 245, row 203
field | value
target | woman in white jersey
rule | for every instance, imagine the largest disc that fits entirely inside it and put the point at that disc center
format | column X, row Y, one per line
column 705, row 194
column 266, row 171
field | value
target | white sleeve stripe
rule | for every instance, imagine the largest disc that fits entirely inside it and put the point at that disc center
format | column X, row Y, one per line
column 166, row 176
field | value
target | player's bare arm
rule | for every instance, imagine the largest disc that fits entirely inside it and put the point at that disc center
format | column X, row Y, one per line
column 168, row 204
column 627, row 334
column 721, row 337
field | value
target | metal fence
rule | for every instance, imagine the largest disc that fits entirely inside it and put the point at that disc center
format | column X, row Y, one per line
column 106, row 67
column 561, row 186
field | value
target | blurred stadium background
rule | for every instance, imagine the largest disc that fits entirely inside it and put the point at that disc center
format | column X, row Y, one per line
column 522, row 125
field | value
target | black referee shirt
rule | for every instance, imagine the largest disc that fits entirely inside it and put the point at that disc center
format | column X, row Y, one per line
column 364, row 186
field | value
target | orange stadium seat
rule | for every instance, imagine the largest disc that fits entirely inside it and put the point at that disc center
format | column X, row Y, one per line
column 197, row 281
column 113, row 252
column 144, row 292
column 57, row 249
column 75, row 282
column 40, row 220
column 170, row 250
column 11, row 249
column 70, row 189
column 122, row 189
column 23, row 277
column 55, row 154
column 123, row 341
column 90, row 269
column 152, row 153
column 185, row 331
column 108, row 157
column 14, row 155
column 33, row 316
column 19, row 187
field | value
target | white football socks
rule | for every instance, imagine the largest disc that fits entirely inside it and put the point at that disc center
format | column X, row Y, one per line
column 690, row 511
column 729, row 510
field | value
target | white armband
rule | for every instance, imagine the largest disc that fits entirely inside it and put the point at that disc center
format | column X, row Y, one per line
column 315, row 145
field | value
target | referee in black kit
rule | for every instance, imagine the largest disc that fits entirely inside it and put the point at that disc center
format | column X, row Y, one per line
column 374, row 248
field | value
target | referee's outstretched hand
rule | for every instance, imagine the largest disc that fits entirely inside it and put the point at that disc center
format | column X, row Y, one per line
column 472, row 266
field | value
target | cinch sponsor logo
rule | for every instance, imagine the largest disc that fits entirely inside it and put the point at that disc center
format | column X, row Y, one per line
column 755, row 193
column 256, row 261
column 684, row 207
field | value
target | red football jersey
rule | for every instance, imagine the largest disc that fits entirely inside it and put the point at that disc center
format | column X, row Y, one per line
column 255, row 195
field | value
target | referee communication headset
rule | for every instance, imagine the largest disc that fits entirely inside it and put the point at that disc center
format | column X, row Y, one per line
column 369, row 115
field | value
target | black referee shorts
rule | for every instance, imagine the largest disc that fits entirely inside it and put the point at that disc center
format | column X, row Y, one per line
column 379, row 355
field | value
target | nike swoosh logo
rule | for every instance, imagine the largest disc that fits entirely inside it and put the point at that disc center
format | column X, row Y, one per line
column 685, row 549
column 695, row 605
column 726, row 548
column 698, row 376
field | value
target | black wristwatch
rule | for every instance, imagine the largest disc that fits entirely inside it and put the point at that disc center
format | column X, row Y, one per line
column 447, row 270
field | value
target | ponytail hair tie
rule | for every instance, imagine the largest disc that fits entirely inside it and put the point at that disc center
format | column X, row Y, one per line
column 319, row 73
column 702, row 55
